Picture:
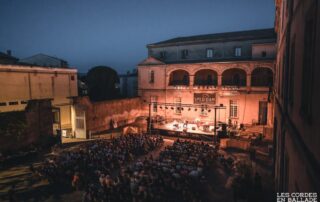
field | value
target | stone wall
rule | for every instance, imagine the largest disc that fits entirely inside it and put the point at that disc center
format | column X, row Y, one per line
column 99, row 115
column 20, row 129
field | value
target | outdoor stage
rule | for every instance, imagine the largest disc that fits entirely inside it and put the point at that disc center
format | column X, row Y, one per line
column 189, row 128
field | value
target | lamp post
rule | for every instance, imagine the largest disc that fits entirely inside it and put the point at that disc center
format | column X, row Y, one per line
column 215, row 121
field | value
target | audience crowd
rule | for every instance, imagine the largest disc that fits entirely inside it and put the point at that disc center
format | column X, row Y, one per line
column 104, row 156
column 174, row 176
column 103, row 169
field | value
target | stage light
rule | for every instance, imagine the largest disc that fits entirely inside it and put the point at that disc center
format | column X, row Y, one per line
column 209, row 110
column 202, row 110
column 160, row 107
column 189, row 109
column 195, row 109
column 172, row 108
column 166, row 107
column 181, row 108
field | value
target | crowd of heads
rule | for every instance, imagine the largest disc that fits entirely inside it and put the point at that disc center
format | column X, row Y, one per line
column 105, row 170
column 105, row 156
column 176, row 175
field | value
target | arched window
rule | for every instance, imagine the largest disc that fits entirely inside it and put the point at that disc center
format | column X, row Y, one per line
column 234, row 77
column 205, row 77
column 179, row 77
column 262, row 76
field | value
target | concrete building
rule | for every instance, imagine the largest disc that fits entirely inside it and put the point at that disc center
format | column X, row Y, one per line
column 129, row 84
column 44, row 61
column 297, row 96
column 19, row 84
column 234, row 69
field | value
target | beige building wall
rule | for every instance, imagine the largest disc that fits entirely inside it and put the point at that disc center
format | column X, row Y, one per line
column 22, row 83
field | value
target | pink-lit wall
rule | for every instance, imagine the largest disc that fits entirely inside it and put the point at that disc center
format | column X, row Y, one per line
column 247, row 97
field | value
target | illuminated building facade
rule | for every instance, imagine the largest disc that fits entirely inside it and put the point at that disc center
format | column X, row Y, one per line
column 297, row 97
column 185, row 77
column 19, row 84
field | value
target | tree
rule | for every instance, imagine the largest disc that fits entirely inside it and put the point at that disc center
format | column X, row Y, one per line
column 102, row 83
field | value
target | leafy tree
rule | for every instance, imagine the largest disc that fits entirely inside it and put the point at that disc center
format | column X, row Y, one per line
column 102, row 83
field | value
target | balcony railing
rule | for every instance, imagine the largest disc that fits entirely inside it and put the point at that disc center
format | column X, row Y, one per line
column 232, row 82
column 205, row 83
column 179, row 83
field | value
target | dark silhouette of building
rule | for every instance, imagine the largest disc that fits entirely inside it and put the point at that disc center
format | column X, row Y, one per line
column 7, row 58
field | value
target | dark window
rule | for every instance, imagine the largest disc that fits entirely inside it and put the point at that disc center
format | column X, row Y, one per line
column 308, row 66
column 72, row 77
column 3, row 104
column 13, row 103
column 163, row 54
column 24, row 102
column 184, row 54
column 56, row 117
column 263, row 54
column 151, row 77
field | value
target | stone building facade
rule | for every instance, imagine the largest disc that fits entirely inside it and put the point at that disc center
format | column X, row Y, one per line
column 20, row 84
column 185, row 77
column 297, row 97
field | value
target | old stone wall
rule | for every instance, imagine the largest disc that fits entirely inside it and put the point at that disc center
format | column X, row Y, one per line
column 100, row 115
column 21, row 129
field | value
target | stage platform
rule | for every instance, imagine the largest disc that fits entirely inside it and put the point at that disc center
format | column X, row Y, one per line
column 191, row 128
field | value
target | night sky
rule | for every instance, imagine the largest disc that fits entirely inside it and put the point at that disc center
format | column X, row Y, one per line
column 87, row 33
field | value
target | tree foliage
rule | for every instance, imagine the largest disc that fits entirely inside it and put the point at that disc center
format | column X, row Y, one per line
column 102, row 83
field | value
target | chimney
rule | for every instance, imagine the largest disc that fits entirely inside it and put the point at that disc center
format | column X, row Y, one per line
column 9, row 52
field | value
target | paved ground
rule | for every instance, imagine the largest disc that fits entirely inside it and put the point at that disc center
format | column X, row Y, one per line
column 29, row 188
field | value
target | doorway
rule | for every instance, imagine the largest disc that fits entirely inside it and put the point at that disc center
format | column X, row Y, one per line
column 263, row 112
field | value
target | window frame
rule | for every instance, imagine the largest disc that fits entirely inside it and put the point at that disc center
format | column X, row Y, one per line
column 184, row 53
column 236, row 52
column 234, row 109
column 207, row 51
column 162, row 54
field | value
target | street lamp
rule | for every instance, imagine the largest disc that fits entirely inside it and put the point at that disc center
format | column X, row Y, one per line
column 215, row 121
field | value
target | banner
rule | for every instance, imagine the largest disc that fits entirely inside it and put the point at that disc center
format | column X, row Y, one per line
column 204, row 98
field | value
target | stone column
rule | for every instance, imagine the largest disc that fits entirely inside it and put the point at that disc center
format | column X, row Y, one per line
column 248, row 81
column 219, row 80
column 191, row 81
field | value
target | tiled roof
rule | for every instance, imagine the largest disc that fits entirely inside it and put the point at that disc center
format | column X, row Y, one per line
column 218, row 37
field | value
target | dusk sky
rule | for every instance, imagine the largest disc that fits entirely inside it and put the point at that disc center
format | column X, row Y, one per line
column 87, row 33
